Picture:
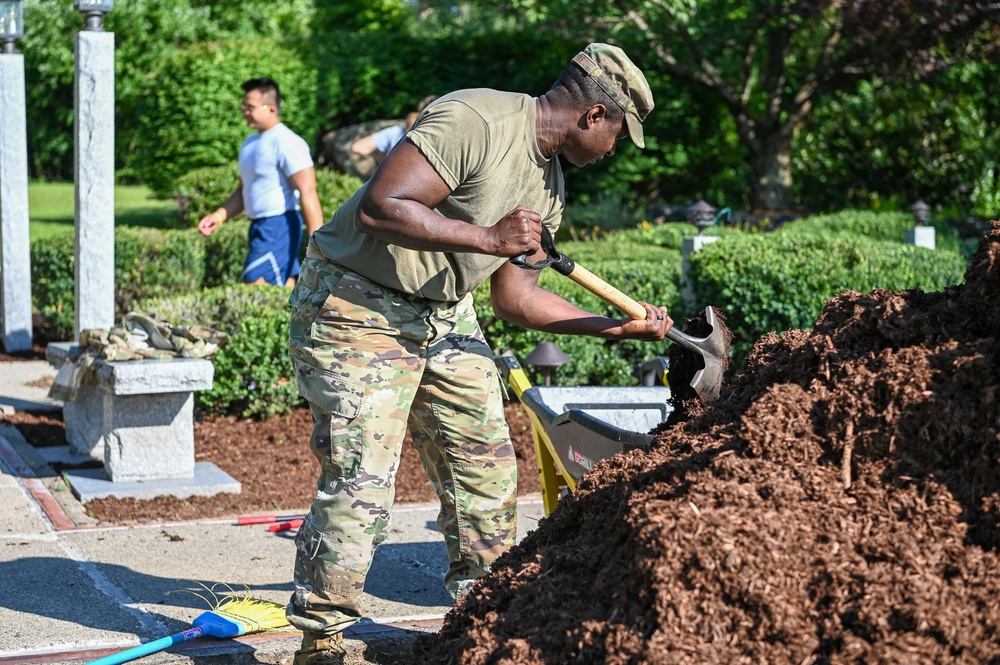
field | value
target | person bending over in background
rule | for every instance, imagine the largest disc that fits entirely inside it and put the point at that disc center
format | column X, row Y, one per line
column 378, row 145
column 384, row 336
column 274, row 164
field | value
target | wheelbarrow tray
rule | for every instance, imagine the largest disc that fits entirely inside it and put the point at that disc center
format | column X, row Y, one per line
column 587, row 424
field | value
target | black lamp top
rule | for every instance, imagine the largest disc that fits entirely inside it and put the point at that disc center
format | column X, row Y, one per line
column 547, row 354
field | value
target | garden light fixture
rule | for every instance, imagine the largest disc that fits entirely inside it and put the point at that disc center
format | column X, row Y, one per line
column 93, row 12
column 702, row 215
column 11, row 24
column 546, row 357
column 921, row 212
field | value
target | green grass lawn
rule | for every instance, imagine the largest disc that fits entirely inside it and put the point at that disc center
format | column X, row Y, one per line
column 50, row 208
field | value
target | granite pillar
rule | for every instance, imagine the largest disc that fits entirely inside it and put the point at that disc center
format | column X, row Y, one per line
column 94, row 169
column 921, row 236
column 688, row 247
column 15, row 255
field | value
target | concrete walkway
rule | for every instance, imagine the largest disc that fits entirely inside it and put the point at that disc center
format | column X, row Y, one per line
column 71, row 592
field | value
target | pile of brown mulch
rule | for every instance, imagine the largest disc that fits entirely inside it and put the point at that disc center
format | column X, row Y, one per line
column 839, row 503
column 271, row 460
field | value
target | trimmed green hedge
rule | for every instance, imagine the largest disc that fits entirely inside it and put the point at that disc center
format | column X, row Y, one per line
column 780, row 281
column 225, row 252
column 253, row 373
column 202, row 190
column 887, row 226
column 148, row 263
column 669, row 235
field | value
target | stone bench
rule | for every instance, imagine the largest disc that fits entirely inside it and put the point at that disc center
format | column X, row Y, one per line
column 138, row 418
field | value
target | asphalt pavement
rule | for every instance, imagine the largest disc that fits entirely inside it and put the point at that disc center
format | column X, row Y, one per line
column 72, row 591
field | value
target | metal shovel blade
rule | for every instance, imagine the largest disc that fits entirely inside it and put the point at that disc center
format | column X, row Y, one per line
column 714, row 349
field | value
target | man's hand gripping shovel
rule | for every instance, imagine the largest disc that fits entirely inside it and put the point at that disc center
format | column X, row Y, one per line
column 713, row 349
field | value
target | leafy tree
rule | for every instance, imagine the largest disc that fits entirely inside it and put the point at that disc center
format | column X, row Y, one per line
column 869, row 149
column 372, row 74
column 768, row 61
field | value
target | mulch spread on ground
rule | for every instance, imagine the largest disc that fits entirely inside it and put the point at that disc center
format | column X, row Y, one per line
column 838, row 504
column 271, row 459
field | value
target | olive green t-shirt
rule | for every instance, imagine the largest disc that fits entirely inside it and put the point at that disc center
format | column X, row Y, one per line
column 482, row 144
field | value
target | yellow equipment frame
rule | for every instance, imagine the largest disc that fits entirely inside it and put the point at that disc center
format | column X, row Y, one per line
column 553, row 475
column 555, row 479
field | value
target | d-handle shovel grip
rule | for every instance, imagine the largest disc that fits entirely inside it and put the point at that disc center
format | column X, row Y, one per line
column 566, row 266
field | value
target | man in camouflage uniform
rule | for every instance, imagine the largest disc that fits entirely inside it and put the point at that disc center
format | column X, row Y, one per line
column 384, row 336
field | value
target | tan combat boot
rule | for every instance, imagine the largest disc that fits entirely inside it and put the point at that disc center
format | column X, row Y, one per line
column 318, row 649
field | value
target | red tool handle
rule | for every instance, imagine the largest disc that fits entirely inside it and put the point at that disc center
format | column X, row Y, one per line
column 285, row 526
column 266, row 519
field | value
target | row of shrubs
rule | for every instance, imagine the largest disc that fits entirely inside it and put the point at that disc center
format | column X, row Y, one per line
column 761, row 281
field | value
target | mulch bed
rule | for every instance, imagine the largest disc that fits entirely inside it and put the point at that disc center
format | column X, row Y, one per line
column 272, row 461
column 38, row 343
column 840, row 503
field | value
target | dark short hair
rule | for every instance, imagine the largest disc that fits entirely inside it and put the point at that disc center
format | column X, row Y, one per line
column 585, row 91
column 425, row 102
column 266, row 86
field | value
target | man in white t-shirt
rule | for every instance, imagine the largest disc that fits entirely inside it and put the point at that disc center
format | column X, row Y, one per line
column 275, row 165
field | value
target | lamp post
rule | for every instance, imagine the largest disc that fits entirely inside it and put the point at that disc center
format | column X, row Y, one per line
column 547, row 356
column 15, row 256
column 93, row 13
column 11, row 24
column 94, row 168
column 702, row 215
column 921, row 235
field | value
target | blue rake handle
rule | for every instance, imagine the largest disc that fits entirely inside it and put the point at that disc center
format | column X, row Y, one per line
column 149, row 647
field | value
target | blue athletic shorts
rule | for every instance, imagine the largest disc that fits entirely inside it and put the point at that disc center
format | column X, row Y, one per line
column 274, row 248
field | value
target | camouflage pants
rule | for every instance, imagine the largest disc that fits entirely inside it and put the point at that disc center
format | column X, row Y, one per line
column 372, row 363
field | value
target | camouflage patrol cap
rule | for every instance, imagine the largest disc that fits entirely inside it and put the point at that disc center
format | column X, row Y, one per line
column 622, row 80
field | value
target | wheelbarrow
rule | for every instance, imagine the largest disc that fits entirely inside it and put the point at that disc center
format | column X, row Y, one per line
column 576, row 427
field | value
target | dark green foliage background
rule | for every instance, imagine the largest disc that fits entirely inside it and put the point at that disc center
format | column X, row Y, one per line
column 179, row 64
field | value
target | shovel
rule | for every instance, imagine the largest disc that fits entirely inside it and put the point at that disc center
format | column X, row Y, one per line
column 713, row 349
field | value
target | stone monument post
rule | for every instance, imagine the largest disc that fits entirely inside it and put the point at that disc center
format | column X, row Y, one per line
column 94, row 169
column 920, row 235
column 94, row 178
column 15, row 255
column 703, row 216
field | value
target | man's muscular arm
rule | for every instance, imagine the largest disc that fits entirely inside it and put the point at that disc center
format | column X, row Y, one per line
column 398, row 208
column 517, row 298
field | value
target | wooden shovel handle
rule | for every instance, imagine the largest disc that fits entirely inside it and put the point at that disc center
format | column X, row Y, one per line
column 606, row 292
